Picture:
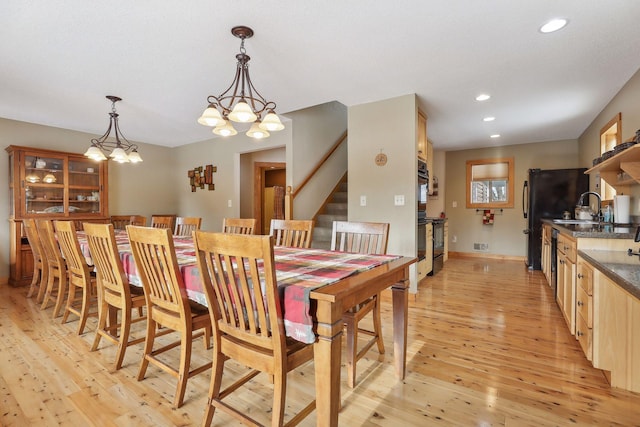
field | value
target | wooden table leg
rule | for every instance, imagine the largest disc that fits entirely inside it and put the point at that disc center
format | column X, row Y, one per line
column 327, row 354
column 400, row 297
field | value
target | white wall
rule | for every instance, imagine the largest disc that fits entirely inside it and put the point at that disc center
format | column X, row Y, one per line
column 505, row 236
column 315, row 131
column 224, row 153
column 389, row 126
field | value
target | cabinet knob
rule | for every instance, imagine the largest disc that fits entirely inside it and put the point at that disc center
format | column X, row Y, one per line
column 580, row 276
column 578, row 333
column 580, row 303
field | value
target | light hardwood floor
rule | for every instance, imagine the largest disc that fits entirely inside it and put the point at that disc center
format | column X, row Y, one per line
column 487, row 347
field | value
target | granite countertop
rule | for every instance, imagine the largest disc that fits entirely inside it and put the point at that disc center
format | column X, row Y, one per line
column 598, row 231
column 619, row 266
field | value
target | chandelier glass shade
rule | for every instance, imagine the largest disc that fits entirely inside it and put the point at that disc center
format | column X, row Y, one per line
column 241, row 102
column 120, row 150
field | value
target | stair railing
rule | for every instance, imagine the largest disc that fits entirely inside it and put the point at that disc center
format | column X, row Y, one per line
column 290, row 194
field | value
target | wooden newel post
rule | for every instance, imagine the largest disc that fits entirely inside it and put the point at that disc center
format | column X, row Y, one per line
column 288, row 203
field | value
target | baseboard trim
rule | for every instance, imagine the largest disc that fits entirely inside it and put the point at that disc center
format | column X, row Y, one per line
column 4, row 281
column 485, row 255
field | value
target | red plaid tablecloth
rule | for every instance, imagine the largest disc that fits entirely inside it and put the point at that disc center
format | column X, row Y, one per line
column 298, row 272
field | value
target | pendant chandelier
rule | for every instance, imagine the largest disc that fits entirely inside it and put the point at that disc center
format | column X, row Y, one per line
column 241, row 102
column 120, row 150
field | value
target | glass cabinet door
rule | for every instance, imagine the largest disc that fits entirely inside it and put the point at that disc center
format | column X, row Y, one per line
column 84, row 186
column 44, row 185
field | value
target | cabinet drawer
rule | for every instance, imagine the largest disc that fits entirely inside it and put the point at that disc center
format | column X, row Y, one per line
column 585, row 278
column 585, row 336
column 583, row 306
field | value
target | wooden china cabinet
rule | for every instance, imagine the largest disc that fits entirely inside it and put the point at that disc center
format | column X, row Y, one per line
column 47, row 184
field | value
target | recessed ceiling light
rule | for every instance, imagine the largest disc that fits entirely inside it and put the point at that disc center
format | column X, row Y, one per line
column 488, row 119
column 495, row 135
column 553, row 25
column 482, row 97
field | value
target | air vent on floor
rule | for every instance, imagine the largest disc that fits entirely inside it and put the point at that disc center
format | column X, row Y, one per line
column 480, row 246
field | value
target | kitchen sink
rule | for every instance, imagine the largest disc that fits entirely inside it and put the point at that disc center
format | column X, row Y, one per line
column 575, row 221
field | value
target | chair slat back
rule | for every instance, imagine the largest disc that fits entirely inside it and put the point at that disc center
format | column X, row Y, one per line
column 50, row 246
column 157, row 264
column 106, row 258
column 120, row 222
column 29, row 226
column 241, row 296
column 360, row 237
column 162, row 222
column 186, row 225
column 291, row 232
column 140, row 220
column 239, row 225
column 77, row 267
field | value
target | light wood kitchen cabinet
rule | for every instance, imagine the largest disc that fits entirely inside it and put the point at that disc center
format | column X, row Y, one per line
column 566, row 279
column 50, row 184
column 422, row 136
column 584, row 307
column 545, row 260
column 616, row 333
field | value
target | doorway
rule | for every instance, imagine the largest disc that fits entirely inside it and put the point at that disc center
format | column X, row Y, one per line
column 268, row 188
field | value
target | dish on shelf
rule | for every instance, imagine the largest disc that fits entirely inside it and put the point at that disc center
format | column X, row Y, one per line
column 608, row 154
column 623, row 146
column 60, row 209
column 597, row 160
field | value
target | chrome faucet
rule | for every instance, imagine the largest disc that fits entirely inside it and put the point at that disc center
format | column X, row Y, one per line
column 599, row 212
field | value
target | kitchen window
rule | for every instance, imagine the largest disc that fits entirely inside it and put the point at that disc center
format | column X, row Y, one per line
column 490, row 183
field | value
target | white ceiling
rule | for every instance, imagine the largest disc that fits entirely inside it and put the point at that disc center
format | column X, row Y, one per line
column 58, row 60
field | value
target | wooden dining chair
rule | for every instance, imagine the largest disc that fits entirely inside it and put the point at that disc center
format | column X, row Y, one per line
column 79, row 276
column 158, row 221
column 364, row 238
column 114, row 290
column 239, row 225
column 40, row 267
column 167, row 304
column 292, row 232
column 56, row 267
column 140, row 220
column 248, row 326
column 120, row 222
column 185, row 225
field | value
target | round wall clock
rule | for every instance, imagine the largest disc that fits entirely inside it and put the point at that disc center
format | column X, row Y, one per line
column 381, row 159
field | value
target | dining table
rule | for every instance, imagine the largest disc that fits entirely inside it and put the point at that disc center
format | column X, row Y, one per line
column 316, row 286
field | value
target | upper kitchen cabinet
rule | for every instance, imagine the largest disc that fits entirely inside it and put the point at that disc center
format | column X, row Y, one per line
column 425, row 147
column 422, row 135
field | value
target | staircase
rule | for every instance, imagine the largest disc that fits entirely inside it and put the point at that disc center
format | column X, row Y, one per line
column 335, row 209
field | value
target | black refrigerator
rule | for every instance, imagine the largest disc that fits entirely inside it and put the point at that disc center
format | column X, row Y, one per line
column 547, row 194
